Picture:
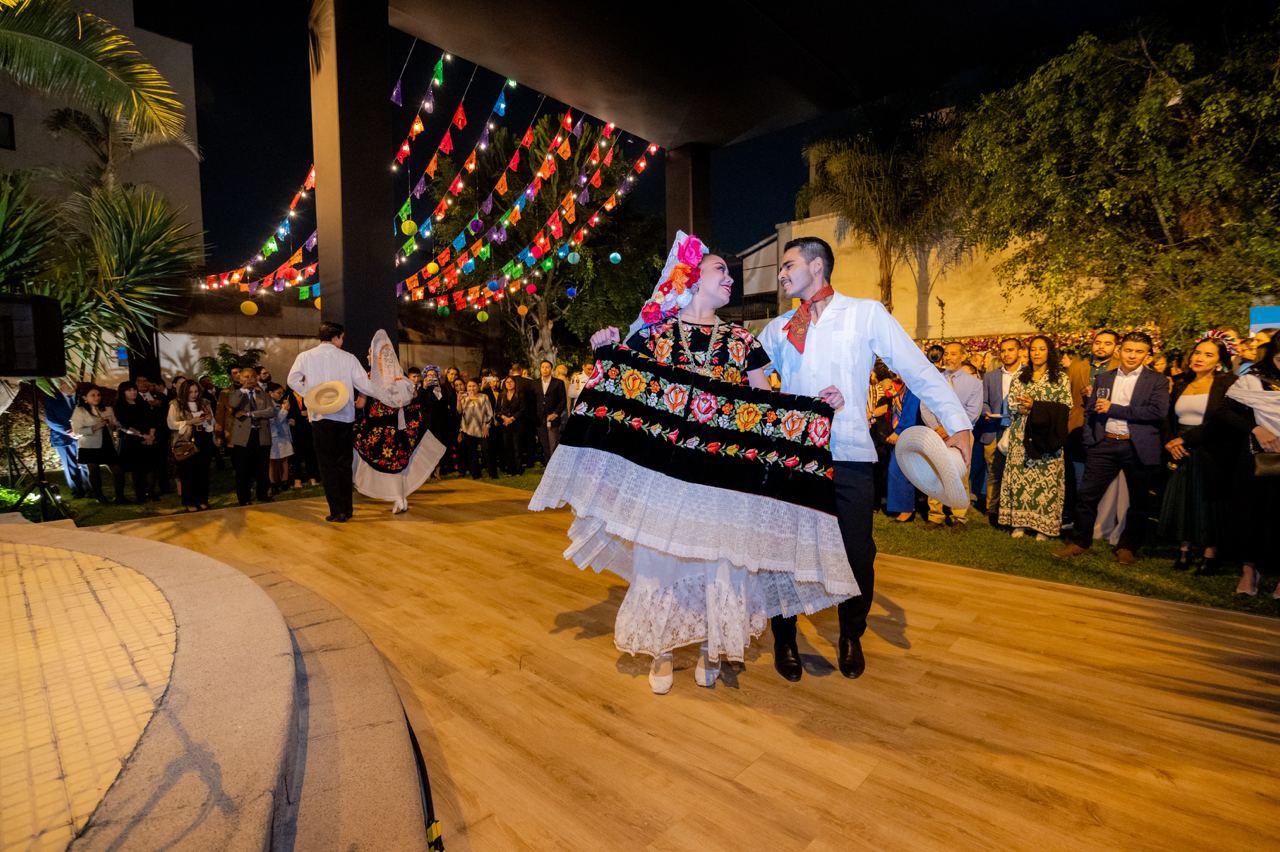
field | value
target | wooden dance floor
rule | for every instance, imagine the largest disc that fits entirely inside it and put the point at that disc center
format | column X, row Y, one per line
column 995, row 711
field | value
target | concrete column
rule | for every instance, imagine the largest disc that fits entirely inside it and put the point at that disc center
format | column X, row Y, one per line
column 350, row 126
column 688, row 170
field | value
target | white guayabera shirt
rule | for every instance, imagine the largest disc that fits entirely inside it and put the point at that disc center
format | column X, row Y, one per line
column 840, row 350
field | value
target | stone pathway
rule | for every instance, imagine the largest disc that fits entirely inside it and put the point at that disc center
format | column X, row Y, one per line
column 86, row 650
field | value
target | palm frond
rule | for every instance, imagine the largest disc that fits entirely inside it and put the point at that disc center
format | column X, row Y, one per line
column 28, row 228
column 48, row 46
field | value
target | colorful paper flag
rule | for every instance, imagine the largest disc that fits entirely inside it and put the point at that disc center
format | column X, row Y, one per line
column 502, row 184
column 446, row 143
column 456, row 187
column 437, row 74
column 417, row 127
column 433, row 165
column 459, row 241
column 270, row 247
column 608, row 157
column 611, row 203
column 311, row 179
column 595, row 179
column 470, row 164
column 567, row 123
column 565, row 151
column 515, row 161
column 311, row 241
column 406, row 210
column 403, row 152
column 409, row 247
column 487, row 207
column 500, row 108
column 395, row 94
column 460, row 118
column 420, row 187
column 527, row 140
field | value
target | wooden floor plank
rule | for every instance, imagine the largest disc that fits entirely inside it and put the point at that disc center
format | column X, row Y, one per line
column 996, row 711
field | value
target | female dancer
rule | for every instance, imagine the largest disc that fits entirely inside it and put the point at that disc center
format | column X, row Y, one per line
column 395, row 452
column 713, row 582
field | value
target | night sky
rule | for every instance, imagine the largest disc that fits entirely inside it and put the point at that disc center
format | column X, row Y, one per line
column 253, row 112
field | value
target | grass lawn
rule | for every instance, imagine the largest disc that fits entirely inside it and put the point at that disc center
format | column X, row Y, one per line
column 977, row 546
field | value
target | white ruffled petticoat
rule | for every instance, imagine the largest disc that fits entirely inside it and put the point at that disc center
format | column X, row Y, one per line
column 703, row 564
column 394, row 487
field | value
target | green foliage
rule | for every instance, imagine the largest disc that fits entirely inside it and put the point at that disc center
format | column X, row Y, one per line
column 895, row 184
column 218, row 367
column 110, row 257
column 49, row 46
column 1135, row 181
column 110, row 142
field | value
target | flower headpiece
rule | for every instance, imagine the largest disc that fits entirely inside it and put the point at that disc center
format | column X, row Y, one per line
column 1217, row 335
column 675, row 286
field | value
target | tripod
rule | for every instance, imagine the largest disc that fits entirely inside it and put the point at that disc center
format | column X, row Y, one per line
column 47, row 496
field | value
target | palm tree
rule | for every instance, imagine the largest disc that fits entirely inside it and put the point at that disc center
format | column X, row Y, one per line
column 49, row 46
column 894, row 186
column 111, row 142
column 111, row 257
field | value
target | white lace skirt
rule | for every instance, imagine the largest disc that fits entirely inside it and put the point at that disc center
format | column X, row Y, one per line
column 395, row 486
column 703, row 564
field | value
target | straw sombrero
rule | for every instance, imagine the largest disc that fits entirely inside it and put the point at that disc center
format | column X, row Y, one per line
column 327, row 398
column 933, row 467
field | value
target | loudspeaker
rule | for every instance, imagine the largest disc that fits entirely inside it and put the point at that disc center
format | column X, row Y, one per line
column 31, row 343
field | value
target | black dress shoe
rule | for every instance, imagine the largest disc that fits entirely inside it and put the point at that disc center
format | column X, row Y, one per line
column 786, row 659
column 333, row 519
column 852, row 663
column 1207, row 568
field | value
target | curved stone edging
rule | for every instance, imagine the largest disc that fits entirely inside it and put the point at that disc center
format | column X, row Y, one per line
column 205, row 771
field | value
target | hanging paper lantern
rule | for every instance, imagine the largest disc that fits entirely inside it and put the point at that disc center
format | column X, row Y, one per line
column 469, row 266
column 522, row 310
column 433, row 268
column 531, row 288
column 248, row 308
column 548, row 263
column 289, row 273
column 574, row 257
column 475, row 226
column 494, row 286
column 571, row 292
column 443, row 310
column 317, row 302
column 408, row 226
column 615, row 258
column 482, row 316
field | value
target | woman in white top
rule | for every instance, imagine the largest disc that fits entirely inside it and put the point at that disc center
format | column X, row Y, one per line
column 191, row 419
column 92, row 423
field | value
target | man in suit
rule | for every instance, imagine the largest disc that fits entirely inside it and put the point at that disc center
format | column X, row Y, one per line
column 529, row 438
column 995, row 419
column 57, row 416
column 1104, row 355
column 968, row 388
column 1127, row 408
column 250, row 411
column 552, row 400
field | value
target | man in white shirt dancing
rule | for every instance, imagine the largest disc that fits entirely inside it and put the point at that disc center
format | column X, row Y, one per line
column 332, row 433
column 826, row 348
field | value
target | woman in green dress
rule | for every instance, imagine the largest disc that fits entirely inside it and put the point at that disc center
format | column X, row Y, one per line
column 1033, row 489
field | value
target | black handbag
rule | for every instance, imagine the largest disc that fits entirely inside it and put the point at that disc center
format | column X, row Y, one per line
column 1264, row 463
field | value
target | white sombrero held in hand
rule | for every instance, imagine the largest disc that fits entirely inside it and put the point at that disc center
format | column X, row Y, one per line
column 932, row 466
column 327, row 398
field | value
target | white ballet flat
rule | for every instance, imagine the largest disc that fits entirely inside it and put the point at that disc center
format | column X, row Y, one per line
column 661, row 684
column 704, row 674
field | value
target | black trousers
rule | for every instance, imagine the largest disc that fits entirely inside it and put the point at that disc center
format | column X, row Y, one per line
column 1103, row 462
column 335, row 449
column 250, row 463
column 471, row 452
column 855, row 504
column 549, row 437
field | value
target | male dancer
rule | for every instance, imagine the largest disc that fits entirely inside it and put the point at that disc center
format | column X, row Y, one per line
column 826, row 348
column 332, row 433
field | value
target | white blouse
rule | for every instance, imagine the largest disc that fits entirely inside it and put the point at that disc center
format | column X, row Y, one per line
column 1191, row 408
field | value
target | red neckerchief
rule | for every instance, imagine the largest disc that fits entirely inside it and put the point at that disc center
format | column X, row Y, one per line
column 798, row 326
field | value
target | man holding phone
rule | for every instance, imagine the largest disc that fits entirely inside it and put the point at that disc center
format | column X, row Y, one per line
column 1121, row 433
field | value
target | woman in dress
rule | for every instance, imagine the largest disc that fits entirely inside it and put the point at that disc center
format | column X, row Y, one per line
column 137, row 437
column 281, row 438
column 92, row 423
column 673, row 600
column 191, row 419
column 395, row 452
column 1206, row 442
column 1034, row 484
column 509, row 416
